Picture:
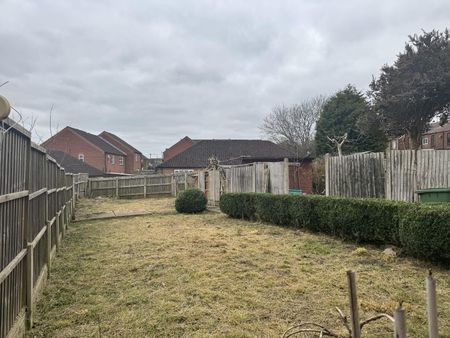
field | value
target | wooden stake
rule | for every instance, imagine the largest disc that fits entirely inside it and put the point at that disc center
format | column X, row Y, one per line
column 433, row 331
column 400, row 323
column 354, row 309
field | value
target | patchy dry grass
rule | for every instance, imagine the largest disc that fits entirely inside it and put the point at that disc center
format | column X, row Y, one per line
column 171, row 275
column 100, row 205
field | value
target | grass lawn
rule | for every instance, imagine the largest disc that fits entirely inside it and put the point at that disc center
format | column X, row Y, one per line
column 172, row 275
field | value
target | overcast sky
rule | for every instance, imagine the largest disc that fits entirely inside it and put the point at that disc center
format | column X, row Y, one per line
column 155, row 71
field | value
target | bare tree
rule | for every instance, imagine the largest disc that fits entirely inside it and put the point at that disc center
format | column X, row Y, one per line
column 338, row 141
column 294, row 126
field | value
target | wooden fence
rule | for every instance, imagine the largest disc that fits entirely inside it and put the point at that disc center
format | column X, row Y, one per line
column 37, row 200
column 140, row 186
column 271, row 177
column 396, row 175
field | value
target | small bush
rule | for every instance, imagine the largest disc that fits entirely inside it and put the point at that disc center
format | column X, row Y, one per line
column 238, row 205
column 425, row 232
column 191, row 201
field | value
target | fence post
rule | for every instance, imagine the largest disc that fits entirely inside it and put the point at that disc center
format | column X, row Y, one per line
column 29, row 285
column 117, row 187
column 433, row 331
column 174, row 186
column 356, row 330
column 327, row 174
column 254, row 177
column 48, row 251
column 145, row 186
column 63, row 221
column 400, row 323
column 286, row 176
column 57, row 224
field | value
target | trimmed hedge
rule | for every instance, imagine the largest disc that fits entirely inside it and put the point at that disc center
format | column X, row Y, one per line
column 425, row 232
column 422, row 230
column 191, row 201
column 238, row 205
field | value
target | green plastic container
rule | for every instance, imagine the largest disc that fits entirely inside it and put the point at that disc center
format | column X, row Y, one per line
column 295, row 192
column 437, row 195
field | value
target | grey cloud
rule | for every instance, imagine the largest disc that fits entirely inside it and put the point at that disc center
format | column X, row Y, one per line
column 156, row 71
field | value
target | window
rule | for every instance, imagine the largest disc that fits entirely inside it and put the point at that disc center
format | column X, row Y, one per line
column 424, row 141
column 113, row 160
column 448, row 139
column 121, row 160
column 136, row 158
column 81, row 157
column 394, row 144
column 433, row 141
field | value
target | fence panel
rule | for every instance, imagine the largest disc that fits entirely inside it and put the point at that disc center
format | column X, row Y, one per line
column 140, row 186
column 397, row 175
column 14, row 183
column 33, row 190
column 358, row 175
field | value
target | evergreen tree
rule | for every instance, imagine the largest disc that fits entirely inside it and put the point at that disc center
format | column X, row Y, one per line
column 416, row 88
column 341, row 115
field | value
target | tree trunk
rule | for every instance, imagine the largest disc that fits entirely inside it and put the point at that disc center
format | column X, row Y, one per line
column 415, row 139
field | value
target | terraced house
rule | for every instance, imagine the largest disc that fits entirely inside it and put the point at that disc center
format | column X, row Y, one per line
column 92, row 149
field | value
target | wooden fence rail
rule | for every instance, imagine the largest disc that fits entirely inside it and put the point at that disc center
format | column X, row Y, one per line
column 140, row 186
column 37, row 199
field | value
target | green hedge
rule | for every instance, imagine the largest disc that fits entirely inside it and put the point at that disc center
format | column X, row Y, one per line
column 191, row 201
column 425, row 232
column 238, row 205
column 422, row 230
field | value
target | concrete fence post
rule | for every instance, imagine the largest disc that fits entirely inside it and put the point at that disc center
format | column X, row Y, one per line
column 286, row 176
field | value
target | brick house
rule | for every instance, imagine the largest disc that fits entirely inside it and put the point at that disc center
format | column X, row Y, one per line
column 88, row 148
column 195, row 157
column 74, row 165
column 438, row 137
column 134, row 161
column 178, row 147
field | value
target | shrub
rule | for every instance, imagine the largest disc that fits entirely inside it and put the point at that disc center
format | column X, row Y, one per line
column 238, row 205
column 425, row 232
column 362, row 220
column 273, row 208
column 191, row 201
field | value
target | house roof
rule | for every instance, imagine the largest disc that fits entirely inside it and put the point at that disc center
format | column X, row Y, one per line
column 73, row 165
column 437, row 128
column 118, row 139
column 226, row 150
column 99, row 142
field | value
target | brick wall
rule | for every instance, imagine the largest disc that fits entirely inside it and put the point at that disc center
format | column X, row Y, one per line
column 74, row 145
column 131, row 165
column 115, row 166
column 300, row 177
column 177, row 148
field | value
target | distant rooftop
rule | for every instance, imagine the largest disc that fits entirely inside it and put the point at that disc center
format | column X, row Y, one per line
column 99, row 142
column 225, row 150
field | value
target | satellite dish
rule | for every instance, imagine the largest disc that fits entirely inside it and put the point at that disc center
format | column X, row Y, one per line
column 5, row 108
